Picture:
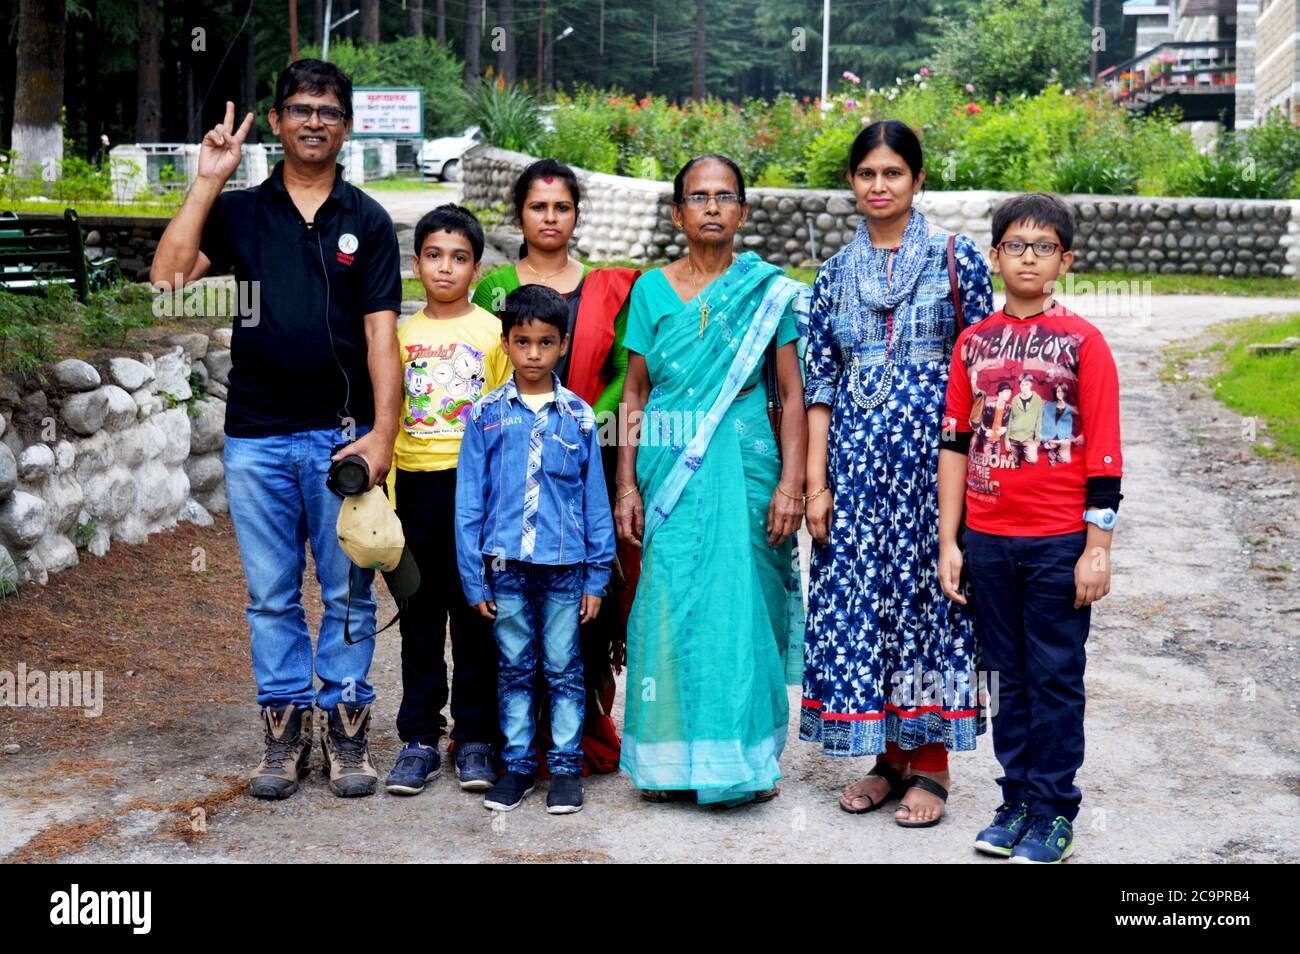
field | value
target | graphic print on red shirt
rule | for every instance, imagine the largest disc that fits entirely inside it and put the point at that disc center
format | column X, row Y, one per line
column 1040, row 398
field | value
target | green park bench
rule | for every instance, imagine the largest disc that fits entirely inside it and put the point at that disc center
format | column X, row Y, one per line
column 40, row 251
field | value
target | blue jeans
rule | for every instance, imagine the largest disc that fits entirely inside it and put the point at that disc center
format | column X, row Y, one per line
column 538, row 609
column 278, row 501
column 1031, row 635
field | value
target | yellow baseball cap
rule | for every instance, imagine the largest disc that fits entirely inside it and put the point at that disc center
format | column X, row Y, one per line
column 370, row 533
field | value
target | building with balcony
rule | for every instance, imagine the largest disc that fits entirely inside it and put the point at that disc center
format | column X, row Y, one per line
column 1224, row 61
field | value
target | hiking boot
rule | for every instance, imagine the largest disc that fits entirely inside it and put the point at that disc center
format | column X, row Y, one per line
column 347, row 756
column 508, row 792
column 565, row 796
column 288, row 750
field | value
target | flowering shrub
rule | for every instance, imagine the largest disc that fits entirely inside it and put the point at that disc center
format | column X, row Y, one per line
column 1059, row 139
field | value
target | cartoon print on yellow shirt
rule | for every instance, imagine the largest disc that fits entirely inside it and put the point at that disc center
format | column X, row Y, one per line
column 442, row 383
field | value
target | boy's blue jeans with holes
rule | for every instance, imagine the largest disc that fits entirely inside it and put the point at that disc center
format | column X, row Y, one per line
column 538, row 609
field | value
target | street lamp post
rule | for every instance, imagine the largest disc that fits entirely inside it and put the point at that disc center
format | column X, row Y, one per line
column 567, row 31
column 327, row 28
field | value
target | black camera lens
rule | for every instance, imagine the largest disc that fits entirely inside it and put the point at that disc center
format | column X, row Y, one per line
column 349, row 476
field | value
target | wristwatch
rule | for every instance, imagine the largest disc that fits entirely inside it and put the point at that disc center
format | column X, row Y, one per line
column 1106, row 519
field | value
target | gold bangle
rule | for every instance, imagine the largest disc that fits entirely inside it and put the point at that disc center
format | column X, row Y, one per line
column 808, row 497
column 627, row 494
column 791, row 496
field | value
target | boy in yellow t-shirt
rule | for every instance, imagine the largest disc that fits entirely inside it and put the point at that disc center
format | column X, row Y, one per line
column 451, row 356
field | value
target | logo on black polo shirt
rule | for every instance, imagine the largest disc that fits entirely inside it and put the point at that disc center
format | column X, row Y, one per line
column 347, row 246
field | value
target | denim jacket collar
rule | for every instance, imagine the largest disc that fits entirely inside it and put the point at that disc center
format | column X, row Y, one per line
column 510, row 392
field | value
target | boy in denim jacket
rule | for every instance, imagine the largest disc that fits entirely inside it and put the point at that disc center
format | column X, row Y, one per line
column 534, row 542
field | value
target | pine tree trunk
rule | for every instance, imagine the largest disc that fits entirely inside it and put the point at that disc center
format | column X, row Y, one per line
column 250, row 76
column 697, row 66
column 37, row 129
column 416, row 10
column 473, row 38
column 442, row 21
column 370, row 21
column 506, row 54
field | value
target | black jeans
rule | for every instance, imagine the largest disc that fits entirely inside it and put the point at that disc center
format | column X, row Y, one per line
column 1031, row 635
column 426, row 504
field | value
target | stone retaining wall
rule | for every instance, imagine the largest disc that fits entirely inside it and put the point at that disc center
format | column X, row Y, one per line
column 110, row 452
column 132, row 239
column 625, row 218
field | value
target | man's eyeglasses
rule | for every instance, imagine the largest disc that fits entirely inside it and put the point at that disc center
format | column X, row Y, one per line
column 301, row 112
column 701, row 199
column 1015, row 248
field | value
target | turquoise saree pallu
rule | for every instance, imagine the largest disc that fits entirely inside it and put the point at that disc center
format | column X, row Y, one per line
column 716, row 607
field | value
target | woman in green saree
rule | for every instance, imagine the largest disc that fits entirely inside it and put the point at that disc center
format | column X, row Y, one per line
column 712, row 496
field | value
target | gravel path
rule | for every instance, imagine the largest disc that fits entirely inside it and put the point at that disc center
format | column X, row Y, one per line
column 1193, row 730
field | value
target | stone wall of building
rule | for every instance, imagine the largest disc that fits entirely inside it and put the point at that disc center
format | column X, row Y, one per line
column 110, row 452
column 629, row 219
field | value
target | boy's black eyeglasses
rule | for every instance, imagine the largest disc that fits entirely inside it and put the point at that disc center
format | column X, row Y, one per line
column 301, row 112
column 702, row 199
column 1015, row 248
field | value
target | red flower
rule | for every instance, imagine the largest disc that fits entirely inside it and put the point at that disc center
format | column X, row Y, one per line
column 973, row 108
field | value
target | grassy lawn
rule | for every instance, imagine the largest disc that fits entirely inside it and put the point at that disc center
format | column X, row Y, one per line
column 158, row 210
column 1256, row 386
column 1160, row 284
column 1262, row 386
column 408, row 184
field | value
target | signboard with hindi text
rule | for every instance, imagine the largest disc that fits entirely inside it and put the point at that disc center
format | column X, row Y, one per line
column 394, row 112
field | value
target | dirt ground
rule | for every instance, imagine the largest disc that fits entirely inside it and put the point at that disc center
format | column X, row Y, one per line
column 1193, row 681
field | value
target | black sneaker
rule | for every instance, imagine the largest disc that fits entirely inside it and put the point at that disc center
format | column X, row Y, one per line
column 565, row 796
column 508, row 792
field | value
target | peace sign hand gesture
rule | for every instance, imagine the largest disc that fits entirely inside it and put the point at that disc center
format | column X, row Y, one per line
column 221, row 149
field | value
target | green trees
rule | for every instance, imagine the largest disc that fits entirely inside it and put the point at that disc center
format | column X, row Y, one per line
column 1008, row 47
column 408, row 61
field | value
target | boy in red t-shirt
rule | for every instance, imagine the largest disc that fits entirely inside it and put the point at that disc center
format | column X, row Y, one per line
column 1030, row 383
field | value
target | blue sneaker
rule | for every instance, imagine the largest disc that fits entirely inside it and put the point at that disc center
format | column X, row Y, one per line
column 1009, row 823
column 1046, row 841
column 474, row 766
column 415, row 765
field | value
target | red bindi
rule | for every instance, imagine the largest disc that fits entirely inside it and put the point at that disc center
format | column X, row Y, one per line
column 548, row 179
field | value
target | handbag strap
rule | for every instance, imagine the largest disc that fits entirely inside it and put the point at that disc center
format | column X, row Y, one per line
column 769, row 376
column 952, row 281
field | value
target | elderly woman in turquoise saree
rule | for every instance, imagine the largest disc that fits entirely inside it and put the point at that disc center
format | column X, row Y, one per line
column 712, row 495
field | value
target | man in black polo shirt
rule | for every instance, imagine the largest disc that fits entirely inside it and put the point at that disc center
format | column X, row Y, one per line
column 315, row 377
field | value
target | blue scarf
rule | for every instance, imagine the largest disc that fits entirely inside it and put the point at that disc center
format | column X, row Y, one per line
column 862, row 277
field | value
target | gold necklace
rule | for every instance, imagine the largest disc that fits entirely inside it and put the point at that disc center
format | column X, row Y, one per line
column 704, row 305
column 529, row 265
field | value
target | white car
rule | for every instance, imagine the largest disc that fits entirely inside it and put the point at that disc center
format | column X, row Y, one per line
column 441, row 157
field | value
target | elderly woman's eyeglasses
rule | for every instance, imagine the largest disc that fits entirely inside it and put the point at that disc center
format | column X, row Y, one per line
column 301, row 112
column 1015, row 248
column 700, row 200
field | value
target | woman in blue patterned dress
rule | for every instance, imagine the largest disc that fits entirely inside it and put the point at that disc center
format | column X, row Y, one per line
column 889, row 662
